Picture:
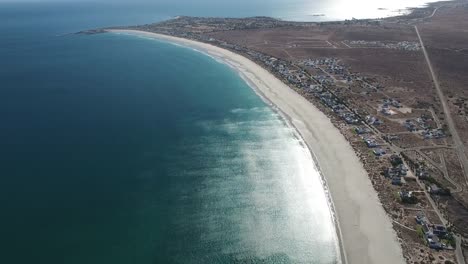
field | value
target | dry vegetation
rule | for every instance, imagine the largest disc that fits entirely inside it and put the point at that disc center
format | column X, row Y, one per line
column 402, row 75
column 374, row 70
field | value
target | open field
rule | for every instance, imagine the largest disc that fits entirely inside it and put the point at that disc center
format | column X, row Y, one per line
column 373, row 81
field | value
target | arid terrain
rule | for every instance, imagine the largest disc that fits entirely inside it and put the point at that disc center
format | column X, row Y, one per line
column 399, row 97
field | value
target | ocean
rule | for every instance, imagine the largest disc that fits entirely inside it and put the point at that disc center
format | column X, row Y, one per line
column 121, row 149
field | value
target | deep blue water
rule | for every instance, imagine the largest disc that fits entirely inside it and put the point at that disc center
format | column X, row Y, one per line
column 119, row 149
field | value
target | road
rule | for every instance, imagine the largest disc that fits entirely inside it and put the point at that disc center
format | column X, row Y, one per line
column 433, row 13
column 459, row 188
column 459, row 254
column 459, row 251
column 458, row 143
column 453, row 131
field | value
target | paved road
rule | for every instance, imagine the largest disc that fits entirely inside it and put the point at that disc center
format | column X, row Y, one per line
column 459, row 146
column 456, row 138
column 398, row 150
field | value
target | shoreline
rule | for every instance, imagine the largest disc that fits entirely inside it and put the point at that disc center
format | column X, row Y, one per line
column 289, row 122
column 364, row 231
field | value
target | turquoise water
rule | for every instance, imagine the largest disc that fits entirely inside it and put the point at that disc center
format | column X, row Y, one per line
column 136, row 151
column 119, row 149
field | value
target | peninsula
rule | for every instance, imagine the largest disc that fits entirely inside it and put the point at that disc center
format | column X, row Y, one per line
column 382, row 105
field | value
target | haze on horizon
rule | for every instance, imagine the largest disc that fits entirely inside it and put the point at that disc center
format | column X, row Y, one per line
column 297, row 10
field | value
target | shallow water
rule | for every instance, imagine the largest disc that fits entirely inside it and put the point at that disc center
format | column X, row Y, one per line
column 118, row 149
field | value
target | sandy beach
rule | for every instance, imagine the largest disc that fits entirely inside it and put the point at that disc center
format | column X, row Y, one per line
column 365, row 231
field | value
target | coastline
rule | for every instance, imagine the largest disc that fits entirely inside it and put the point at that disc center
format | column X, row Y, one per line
column 364, row 230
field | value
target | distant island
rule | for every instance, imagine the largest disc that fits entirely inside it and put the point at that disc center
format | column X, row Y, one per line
column 395, row 89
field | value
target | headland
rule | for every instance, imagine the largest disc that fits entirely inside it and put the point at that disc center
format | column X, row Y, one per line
column 381, row 104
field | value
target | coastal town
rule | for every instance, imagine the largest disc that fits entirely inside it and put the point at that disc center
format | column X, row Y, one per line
column 393, row 117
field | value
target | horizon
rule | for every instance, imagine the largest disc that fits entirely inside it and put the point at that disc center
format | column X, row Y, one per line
column 205, row 140
column 297, row 10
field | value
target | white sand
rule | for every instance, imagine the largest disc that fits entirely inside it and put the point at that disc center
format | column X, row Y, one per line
column 365, row 231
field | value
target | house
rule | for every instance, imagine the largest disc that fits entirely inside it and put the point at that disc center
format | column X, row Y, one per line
column 407, row 197
column 432, row 232
column 410, row 125
column 373, row 120
column 385, row 111
column 370, row 142
column 391, row 172
column 349, row 117
column 395, row 160
column 421, row 219
column 404, row 194
column 402, row 169
column 379, row 152
column 396, row 103
column 397, row 181
column 439, row 230
column 422, row 173
column 294, row 79
column 361, row 130
column 434, row 189
column 430, row 134
column 427, row 230
column 439, row 134
column 391, row 137
column 434, row 242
